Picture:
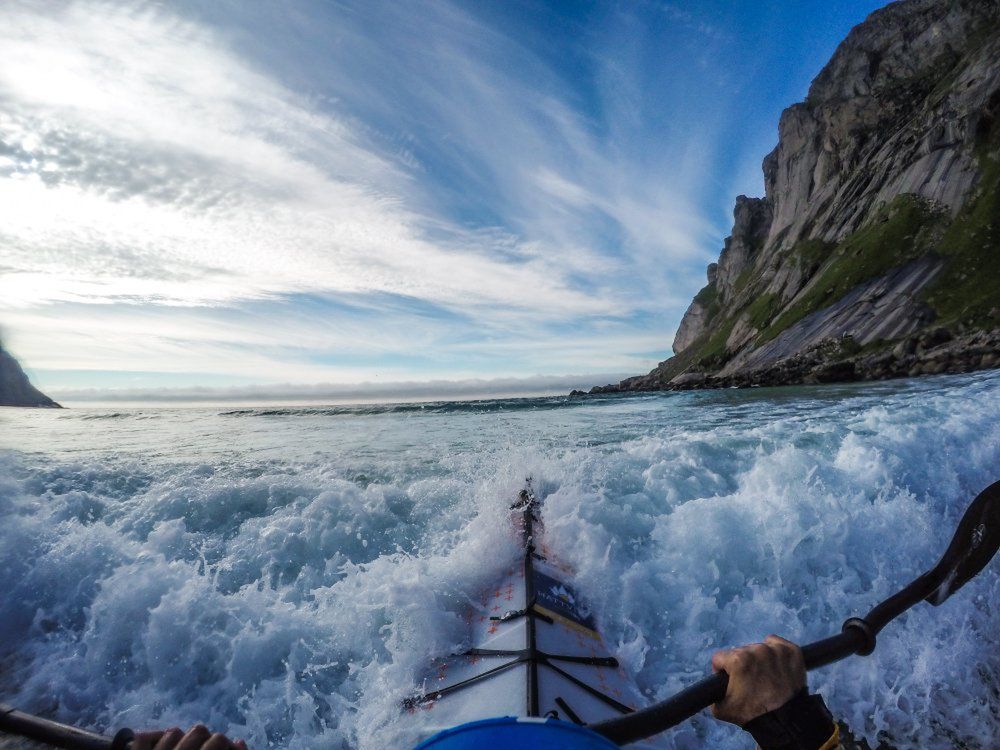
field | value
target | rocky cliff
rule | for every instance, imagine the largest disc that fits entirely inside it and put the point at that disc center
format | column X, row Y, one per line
column 15, row 389
column 875, row 251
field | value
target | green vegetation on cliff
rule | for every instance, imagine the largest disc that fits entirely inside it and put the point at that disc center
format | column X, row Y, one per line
column 712, row 353
column 708, row 298
column 763, row 309
column 810, row 254
column 967, row 291
column 903, row 230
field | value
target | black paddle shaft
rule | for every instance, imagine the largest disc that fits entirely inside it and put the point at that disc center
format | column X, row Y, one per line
column 685, row 704
column 53, row 733
column 974, row 544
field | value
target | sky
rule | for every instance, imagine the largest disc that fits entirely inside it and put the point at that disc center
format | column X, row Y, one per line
column 226, row 194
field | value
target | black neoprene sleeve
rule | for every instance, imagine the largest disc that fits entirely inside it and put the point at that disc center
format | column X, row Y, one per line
column 803, row 723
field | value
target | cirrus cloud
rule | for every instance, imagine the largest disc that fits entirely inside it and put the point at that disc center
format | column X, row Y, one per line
column 335, row 192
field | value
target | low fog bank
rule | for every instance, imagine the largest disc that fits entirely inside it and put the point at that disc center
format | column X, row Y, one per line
column 473, row 388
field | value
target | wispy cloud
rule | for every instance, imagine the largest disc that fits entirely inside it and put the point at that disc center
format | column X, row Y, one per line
column 180, row 175
column 174, row 185
column 676, row 12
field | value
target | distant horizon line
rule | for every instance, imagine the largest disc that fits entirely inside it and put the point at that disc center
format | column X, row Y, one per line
column 361, row 392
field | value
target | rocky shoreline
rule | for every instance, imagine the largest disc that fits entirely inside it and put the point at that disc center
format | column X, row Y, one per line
column 932, row 353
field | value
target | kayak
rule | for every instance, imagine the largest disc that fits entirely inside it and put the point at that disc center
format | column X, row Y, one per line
column 537, row 656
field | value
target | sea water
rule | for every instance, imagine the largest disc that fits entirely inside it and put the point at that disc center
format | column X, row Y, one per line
column 285, row 574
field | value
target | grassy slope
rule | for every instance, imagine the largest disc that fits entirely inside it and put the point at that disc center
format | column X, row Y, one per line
column 967, row 292
column 905, row 229
column 898, row 234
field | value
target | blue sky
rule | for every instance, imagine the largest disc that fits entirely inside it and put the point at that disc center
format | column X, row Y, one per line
column 226, row 194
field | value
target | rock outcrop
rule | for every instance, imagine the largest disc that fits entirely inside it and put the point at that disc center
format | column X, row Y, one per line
column 880, row 223
column 15, row 388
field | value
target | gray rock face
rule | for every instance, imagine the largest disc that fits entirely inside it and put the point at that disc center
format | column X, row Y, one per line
column 752, row 219
column 15, row 389
column 875, row 124
column 884, row 308
column 752, row 223
column 693, row 324
column 904, row 118
column 696, row 318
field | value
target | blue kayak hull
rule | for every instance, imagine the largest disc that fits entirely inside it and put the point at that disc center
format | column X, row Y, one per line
column 522, row 733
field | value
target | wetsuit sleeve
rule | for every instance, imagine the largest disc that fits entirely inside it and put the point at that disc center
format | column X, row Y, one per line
column 803, row 723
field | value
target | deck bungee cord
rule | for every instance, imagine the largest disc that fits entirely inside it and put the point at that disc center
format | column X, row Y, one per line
column 534, row 623
column 539, row 675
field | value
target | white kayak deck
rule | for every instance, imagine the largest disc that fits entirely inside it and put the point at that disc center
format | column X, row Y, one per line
column 536, row 648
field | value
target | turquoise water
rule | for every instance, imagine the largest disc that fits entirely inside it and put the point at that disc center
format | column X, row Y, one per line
column 284, row 574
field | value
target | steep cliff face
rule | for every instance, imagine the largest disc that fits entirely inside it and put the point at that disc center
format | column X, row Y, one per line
column 15, row 389
column 880, row 224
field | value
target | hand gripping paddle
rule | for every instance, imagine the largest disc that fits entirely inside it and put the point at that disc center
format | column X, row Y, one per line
column 975, row 543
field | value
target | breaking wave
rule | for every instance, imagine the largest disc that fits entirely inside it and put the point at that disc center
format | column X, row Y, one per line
column 484, row 406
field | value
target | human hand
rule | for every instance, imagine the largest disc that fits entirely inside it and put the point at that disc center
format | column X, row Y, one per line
column 762, row 677
column 196, row 738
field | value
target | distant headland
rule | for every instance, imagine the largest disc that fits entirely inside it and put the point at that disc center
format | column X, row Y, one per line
column 16, row 389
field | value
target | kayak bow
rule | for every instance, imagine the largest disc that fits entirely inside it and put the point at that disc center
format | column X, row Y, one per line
column 536, row 648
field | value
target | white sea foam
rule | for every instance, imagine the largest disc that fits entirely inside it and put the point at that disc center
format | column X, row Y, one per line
column 286, row 575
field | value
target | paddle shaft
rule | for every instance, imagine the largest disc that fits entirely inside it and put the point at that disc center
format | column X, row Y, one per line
column 857, row 637
column 53, row 733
